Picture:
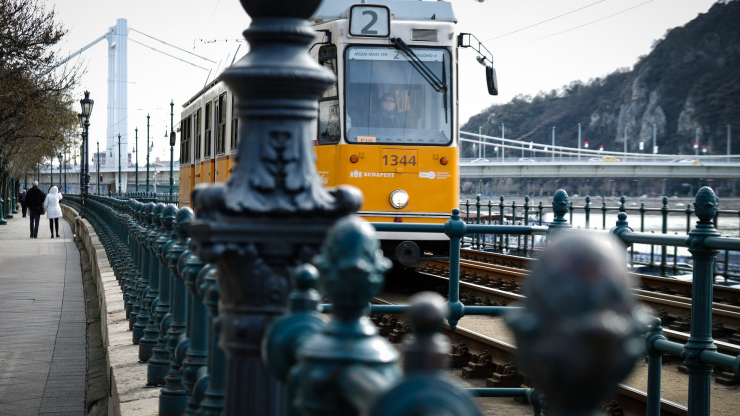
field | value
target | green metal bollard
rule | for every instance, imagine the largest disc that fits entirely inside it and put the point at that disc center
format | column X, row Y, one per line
column 212, row 402
column 287, row 333
column 700, row 338
column 455, row 230
column 151, row 330
column 351, row 268
column 664, row 229
column 159, row 363
column 587, row 209
column 655, row 361
column 173, row 396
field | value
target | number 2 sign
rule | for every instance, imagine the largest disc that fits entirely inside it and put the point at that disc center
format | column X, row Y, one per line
column 369, row 21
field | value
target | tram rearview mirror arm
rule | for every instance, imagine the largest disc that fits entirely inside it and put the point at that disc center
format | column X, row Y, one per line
column 465, row 40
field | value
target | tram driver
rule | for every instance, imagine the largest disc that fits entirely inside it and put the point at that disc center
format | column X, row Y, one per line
column 387, row 117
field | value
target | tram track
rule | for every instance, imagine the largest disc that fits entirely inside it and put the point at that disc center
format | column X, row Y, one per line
column 499, row 280
column 631, row 400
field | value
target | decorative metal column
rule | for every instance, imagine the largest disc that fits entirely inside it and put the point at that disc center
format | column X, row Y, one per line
column 273, row 213
column 700, row 338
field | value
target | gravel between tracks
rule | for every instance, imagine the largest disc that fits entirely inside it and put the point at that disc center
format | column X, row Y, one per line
column 674, row 384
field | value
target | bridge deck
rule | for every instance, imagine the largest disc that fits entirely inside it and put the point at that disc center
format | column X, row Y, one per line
column 493, row 169
column 42, row 318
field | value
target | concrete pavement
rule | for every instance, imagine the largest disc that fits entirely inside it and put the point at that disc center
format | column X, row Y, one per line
column 42, row 322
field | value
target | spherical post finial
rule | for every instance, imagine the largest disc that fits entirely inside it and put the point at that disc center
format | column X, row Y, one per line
column 579, row 303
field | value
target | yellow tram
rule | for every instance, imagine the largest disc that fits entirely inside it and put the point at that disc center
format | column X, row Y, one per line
column 388, row 126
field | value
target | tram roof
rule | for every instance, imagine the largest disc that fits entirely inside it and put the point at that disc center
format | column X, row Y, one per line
column 400, row 10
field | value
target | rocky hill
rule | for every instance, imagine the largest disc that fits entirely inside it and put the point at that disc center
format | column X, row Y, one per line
column 690, row 80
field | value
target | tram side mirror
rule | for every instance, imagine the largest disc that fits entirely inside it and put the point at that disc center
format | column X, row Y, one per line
column 491, row 80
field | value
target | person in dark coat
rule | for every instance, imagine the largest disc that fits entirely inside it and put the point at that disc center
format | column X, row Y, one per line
column 22, row 199
column 35, row 201
column 387, row 117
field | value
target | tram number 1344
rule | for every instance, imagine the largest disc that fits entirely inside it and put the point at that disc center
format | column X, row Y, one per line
column 394, row 160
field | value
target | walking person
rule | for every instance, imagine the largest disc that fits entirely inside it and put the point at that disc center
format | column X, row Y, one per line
column 35, row 203
column 22, row 199
column 53, row 210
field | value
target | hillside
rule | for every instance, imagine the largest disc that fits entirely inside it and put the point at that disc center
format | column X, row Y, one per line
column 689, row 80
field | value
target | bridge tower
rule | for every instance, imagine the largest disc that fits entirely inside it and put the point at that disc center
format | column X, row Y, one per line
column 117, row 37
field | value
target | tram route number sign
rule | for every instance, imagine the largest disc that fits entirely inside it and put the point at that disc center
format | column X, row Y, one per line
column 370, row 21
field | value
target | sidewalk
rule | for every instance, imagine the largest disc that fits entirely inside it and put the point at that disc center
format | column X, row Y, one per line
column 42, row 321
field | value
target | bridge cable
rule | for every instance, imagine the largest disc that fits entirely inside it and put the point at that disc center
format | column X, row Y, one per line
column 186, row 51
column 171, row 56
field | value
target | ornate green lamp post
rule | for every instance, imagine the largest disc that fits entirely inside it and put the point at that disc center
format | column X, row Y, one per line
column 119, row 163
column 136, row 150
column 13, row 186
column 147, row 152
column 2, row 220
column 98, row 189
column 59, row 158
column 87, row 106
column 173, row 138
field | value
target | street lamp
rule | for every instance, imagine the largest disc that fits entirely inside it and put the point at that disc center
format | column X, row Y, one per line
column 147, row 152
column 87, row 106
column 119, row 163
column 173, row 138
column 59, row 158
column 136, row 151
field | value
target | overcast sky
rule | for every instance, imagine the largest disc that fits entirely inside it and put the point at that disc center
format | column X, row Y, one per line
column 537, row 58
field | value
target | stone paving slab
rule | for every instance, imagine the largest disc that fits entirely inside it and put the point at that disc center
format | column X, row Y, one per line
column 42, row 322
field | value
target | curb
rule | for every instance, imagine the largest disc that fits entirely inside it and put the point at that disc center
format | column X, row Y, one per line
column 127, row 376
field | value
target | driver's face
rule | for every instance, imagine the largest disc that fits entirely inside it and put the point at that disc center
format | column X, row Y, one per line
column 389, row 104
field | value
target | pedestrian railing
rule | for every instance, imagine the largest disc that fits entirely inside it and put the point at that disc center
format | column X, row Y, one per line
column 667, row 261
column 171, row 295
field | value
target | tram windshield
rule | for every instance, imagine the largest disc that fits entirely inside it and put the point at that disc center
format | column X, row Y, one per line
column 387, row 100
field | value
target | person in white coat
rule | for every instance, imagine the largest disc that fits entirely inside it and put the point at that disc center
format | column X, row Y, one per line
column 53, row 210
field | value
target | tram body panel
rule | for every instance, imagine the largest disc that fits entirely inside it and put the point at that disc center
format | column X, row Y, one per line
column 432, row 187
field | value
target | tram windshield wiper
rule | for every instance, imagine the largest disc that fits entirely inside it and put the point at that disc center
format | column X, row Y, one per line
column 439, row 85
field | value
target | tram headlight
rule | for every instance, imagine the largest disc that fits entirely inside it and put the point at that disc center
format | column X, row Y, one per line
column 399, row 198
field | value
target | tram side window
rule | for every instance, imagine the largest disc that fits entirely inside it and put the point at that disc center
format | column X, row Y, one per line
column 329, row 120
column 198, row 135
column 209, row 119
column 221, row 124
column 234, row 126
column 185, row 135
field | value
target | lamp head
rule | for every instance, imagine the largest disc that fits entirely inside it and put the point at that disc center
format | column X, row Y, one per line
column 87, row 105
